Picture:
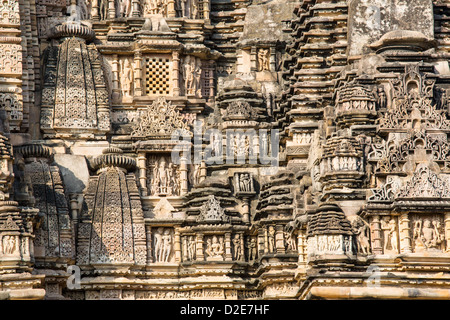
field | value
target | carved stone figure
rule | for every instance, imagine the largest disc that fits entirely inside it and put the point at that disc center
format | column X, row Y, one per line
column 163, row 177
column 271, row 238
column 167, row 245
column 244, row 182
column 103, row 9
column 191, row 246
column 215, row 248
column 9, row 245
column 163, row 245
column 362, row 231
column 427, row 235
column 191, row 75
column 152, row 7
column 126, row 77
column 290, row 241
column 263, row 59
column 390, row 234
column 250, row 245
column 125, row 8
column 237, row 250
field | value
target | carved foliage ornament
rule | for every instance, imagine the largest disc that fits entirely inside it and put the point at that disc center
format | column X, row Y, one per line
column 425, row 184
column 160, row 119
column 240, row 110
column 211, row 211
column 392, row 154
column 412, row 103
column 9, row 12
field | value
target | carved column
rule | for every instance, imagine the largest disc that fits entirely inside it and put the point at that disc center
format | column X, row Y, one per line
column 177, row 245
column 211, row 79
column 203, row 171
column 176, row 73
column 148, row 232
column 228, row 254
column 115, row 78
column 242, row 247
column 138, row 91
column 279, row 239
column 245, row 210
column 206, row 10
column 266, row 241
column 405, row 234
column 183, row 176
column 253, row 59
column 301, row 246
column 272, row 59
column 377, row 245
column 171, row 13
column 199, row 248
column 142, row 165
column 184, row 245
column 447, row 231
column 136, row 9
column 261, row 241
column 94, row 10
column 111, row 9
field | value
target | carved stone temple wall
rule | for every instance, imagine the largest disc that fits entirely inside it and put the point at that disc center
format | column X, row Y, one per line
column 206, row 149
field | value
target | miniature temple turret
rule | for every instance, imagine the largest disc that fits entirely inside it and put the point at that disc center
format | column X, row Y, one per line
column 75, row 100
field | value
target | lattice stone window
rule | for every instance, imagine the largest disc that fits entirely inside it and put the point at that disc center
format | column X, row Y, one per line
column 207, row 78
column 200, row 14
column 157, row 75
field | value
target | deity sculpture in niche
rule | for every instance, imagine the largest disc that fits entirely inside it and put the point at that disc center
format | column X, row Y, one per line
column 125, row 8
column 155, row 7
column 427, row 234
column 190, row 247
column 390, row 234
column 9, row 245
column 245, row 182
column 103, row 9
column 241, row 145
column 126, row 76
column 251, row 247
column 271, row 239
column 163, row 245
column 191, row 74
column 382, row 99
column 237, row 249
column 194, row 174
column 263, row 59
column 214, row 248
column 289, row 242
column 163, row 177
column 362, row 231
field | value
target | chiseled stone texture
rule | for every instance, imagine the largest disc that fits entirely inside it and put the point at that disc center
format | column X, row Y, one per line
column 211, row 149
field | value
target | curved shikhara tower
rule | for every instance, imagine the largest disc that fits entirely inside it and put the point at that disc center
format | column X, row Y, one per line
column 75, row 101
column 111, row 230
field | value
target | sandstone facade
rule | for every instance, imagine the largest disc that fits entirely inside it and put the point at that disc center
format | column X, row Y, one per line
column 209, row 149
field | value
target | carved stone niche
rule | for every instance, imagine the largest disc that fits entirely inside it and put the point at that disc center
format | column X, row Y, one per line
column 355, row 105
column 163, row 245
column 163, row 176
column 427, row 233
column 389, row 234
column 244, row 184
column 214, row 247
column 191, row 74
